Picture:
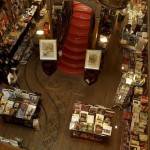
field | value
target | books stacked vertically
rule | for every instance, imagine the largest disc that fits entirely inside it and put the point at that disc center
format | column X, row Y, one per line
column 94, row 119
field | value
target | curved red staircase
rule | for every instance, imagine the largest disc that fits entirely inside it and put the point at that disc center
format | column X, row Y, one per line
column 76, row 42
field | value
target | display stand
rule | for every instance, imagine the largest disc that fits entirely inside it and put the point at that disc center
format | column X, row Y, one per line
column 92, row 122
column 19, row 107
column 92, row 66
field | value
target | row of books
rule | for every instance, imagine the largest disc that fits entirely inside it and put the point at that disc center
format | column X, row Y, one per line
column 92, row 119
column 124, row 90
column 20, row 109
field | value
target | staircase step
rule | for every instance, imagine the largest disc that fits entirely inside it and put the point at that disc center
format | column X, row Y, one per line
column 74, row 49
column 72, row 64
column 82, row 8
column 73, row 55
column 76, row 2
column 81, row 15
column 78, row 32
column 77, row 39
column 80, row 23
column 70, row 71
column 80, row 46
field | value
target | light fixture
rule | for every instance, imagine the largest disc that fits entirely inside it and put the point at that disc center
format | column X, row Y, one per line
column 116, row 127
column 40, row 32
column 116, row 4
column 103, row 39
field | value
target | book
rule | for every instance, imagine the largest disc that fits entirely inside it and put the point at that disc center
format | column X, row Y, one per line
column 72, row 126
column 107, row 130
column 93, row 110
column 8, row 107
column 98, row 128
column 30, row 111
column 75, row 118
column 101, row 110
column 2, row 105
column 85, row 107
column 83, row 116
column 90, row 119
column 22, row 110
column 83, row 126
column 90, row 127
column 77, row 107
column 99, row 118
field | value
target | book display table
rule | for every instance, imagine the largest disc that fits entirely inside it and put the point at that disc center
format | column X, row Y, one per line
column 19, row 107
column 92, row 122
column 92, row 66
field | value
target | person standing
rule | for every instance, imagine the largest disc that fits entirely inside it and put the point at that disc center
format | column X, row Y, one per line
column 12, row 77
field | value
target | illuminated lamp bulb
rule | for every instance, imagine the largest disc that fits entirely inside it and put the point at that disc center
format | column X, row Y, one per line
column 39, row 32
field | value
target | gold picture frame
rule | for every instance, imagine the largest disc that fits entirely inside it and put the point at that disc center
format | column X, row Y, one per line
column 93, row 59
column 48, row 49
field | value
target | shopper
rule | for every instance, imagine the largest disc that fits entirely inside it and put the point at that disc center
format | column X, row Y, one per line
column 12, row 77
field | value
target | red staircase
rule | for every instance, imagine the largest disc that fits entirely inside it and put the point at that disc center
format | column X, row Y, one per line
column 76, row 42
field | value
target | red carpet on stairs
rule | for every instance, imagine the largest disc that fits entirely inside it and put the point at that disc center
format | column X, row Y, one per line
column 76, row 42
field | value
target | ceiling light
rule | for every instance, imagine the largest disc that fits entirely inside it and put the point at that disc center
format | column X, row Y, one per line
column 103, row 39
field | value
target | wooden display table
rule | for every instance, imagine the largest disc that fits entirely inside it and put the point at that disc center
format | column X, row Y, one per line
column 8, row 147
column 19, row 107
column 92, row 122
column 92, row 65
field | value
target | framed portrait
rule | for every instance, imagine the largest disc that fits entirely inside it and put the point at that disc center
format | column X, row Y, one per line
column 48, row 49
column 93, row 59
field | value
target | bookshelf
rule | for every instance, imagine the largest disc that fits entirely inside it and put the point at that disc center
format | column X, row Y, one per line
column 19, row 107
column 92, row 122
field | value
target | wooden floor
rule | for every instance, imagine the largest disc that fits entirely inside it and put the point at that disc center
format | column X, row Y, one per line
column 59, row 91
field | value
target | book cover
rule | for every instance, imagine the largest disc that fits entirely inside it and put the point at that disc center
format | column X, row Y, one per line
column 101, row 110
column 107, row 130
column 98, row 129
column 83, row 116
column 85, row 107
column 75, row 118
column 83, row 126
column 8, row 107
column 30, row 111
column 22, row 110
column 90, row 127
column 93, row 110
column 72, row 126
column 99, row 118
column 90, row 119
column 77, row 107
column 2, row 105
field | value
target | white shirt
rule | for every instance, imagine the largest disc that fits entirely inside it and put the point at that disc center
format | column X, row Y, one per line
column 12, row 78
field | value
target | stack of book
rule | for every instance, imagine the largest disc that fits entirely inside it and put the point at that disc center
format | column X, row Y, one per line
column 95, row 119
column 18, row 107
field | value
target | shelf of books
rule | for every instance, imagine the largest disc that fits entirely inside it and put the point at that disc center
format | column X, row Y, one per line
column 135, row 60
column 19, row 107
column 92, row 122
column 11, row 35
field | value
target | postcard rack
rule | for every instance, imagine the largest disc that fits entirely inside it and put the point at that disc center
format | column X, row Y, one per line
column 92, row 122
column 19, row 107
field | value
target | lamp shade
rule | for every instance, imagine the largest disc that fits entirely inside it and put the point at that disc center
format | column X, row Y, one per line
column 116, row 4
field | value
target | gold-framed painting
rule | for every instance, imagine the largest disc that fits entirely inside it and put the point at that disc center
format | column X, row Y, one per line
column 48, row 49
column 93, row 59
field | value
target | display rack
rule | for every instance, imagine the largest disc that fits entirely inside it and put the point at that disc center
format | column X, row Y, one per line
column 19, row 107
column 92, row 122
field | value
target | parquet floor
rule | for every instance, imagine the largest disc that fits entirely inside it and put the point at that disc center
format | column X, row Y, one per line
column 59, row 91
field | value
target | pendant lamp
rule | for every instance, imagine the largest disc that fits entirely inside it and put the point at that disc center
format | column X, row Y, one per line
column 115, row 4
